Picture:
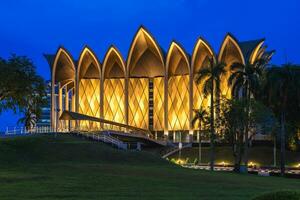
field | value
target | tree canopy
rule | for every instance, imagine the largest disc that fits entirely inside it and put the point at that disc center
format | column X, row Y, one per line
column 21, row 88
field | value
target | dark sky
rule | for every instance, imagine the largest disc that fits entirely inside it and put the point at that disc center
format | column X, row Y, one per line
column 34, row 27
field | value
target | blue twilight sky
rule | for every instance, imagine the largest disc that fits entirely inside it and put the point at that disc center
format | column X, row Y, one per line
column 34, row 27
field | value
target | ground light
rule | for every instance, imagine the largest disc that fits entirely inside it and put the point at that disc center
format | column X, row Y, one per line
column 224, row 164
column 252, row 164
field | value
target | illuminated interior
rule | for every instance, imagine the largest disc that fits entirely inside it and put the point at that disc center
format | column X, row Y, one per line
column 178, row 103
column 151, row 89
column 88, row 88
column 89, row 101
column 114, row 100
column 114, row 86
column 178, row 88
column 138, row 102
column 145, row 59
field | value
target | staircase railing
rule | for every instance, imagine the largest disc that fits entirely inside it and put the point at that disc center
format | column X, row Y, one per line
column 106, row 138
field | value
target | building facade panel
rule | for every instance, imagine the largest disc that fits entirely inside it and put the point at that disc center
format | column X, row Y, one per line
column 138, row 102
column 178, row 102
column 89, row 101
column 114, row 100
column 158, row 104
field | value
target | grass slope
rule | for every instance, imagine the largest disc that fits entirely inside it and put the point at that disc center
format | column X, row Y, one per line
column 42, row 167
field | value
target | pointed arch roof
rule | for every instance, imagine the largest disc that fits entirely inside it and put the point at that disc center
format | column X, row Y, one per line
column 63, row 67
column 88, row 64
column 177, row 61
column 229, row 38
column 113, row 64
column 145, row 57
column 200, row 54
column 250, row 49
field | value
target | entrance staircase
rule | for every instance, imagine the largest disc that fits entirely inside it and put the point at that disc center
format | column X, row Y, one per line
column 106, row 138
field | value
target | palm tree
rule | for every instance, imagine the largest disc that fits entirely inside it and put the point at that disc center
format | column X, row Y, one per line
column 211, row 77
column 29, row 119
column 246, row 78
column 200, row 117
column 283, row 92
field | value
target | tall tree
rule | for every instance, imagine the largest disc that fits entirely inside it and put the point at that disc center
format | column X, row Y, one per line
column 201, row 118
column 233, row 118
column 21, row 89
column 282, row 91
column 210, row 76
column 246, row 78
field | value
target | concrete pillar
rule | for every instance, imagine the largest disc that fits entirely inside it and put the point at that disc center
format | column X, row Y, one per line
column 66, row 98
column 53, row 105
column 59, row 109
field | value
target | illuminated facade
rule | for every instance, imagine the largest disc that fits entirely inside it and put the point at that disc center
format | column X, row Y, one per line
column 150, row 90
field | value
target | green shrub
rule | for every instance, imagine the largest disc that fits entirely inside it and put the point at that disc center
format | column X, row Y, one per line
column 280, row 195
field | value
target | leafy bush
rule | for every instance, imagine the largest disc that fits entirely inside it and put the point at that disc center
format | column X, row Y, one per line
column 280, row 195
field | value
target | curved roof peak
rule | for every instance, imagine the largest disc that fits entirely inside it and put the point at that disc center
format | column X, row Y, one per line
column 63, row 67
column 250, row 49
column 93, row 66
column 201, row 51
column 144, row 50
column 230, row 38
column 174, row 63
column 113, row 53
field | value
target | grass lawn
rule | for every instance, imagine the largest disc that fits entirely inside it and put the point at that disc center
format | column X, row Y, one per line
column 44, row 167
column 263, row 156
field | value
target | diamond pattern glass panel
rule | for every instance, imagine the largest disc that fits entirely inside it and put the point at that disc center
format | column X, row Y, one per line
column 178, row 103
column 138, row 97
column 158, row 104
column 114, row 100
column 89, row 101
column 199, row 101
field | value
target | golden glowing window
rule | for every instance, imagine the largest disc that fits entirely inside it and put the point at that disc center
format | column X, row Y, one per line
column 199, row 100
column 114, row 100
column 138, row 97
column 89, row 101
column 158, row 103
column 178, row 103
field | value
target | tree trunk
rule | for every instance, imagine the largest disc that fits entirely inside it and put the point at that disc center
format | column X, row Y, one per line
column 212, row 133
column 200, row 138
column 282, row 144
column 274, row 152
column 239, row 152
column 247, row 127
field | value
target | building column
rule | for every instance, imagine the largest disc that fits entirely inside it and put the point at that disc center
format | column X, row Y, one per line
column 166, row 130
column 126, row 99
column 53, row 104
column 59, row 107
column 66, row 98
column 73, row 106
